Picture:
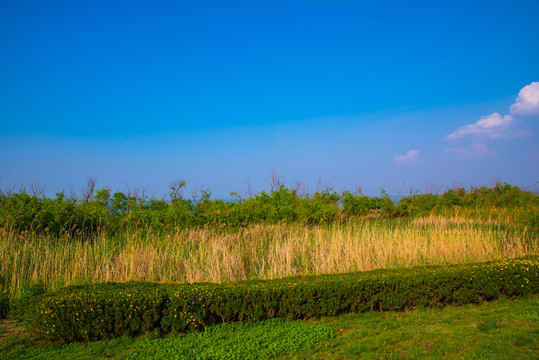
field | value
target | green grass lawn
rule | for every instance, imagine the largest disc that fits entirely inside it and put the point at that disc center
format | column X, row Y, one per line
column 504, row 329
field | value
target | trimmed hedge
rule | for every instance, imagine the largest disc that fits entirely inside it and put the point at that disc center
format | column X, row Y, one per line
column 29, row 294
column 106, row 310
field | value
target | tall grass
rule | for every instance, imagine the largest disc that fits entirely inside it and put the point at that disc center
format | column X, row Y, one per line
column 260, row 251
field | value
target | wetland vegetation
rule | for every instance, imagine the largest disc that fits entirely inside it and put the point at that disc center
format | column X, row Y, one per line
column 100, row 237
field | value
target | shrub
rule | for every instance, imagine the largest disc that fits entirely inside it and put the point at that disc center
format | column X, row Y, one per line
column 107, row 310
column 358, row 204
column 118, row 211
column 29, row 295
column 4, row 305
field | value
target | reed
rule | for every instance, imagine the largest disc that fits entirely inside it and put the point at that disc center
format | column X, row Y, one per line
column 258, row 251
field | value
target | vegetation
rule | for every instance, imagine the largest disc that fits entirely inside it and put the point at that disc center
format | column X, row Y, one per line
column 101, row 237
column 253, row 252
column 4, row 305
column 116, row 212
column 264, row 340
column 106, row 265
column 502, row 329
column 100, row 311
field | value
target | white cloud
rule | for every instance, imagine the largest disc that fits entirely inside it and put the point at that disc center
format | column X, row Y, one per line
column 474, row 151
column 527, row 102
column 411, row 156
column 496, row 126
column 493, row 126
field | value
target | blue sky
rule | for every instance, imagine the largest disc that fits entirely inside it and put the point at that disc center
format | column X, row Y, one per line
column 347, row 93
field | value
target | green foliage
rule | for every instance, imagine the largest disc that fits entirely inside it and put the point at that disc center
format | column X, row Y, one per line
column 263, row 340
column 490, row 330
column 417, row 334
column 4, row 305
column 117, row 211
column 358, row 204
column 498, row 196
column 29, row 295
column 101, row 311
column 491, row 324
column 107, row 310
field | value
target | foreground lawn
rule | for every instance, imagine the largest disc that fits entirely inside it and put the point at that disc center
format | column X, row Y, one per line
column 504, row 329
column 263, row 340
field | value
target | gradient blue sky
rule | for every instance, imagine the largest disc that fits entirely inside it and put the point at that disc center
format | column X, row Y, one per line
column 371, row 94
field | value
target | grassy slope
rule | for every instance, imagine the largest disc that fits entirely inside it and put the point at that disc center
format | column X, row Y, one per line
column 504, row 329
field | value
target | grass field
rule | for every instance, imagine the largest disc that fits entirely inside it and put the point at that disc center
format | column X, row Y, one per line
column 258, row 251
column 503, row 329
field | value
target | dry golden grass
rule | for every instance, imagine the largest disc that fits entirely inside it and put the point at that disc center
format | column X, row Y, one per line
column 259, row 251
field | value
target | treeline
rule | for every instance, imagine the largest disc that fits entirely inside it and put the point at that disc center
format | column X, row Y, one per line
column 104, row 210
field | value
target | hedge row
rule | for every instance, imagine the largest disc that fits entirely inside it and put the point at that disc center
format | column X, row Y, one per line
column 106, row 310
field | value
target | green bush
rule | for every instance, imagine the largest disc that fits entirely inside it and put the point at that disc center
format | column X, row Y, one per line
column 107, row 310
column 29, row 296
column 118, row 211
column 358, row 204
column 4, row 305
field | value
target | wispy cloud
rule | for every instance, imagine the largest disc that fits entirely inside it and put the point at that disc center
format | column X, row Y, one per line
column 474, row 151
column 527, row 102
column 411, row 156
